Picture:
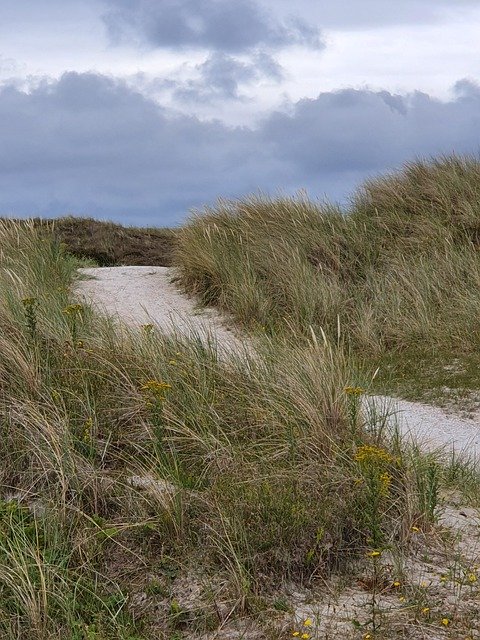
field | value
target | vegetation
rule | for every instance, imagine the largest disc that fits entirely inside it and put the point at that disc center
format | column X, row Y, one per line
column 109, row 244
column 400, row 272
column 150, row 488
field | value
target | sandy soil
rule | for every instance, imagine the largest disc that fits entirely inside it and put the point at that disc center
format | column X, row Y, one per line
column 430, row 426
column 140, row 295
column 146, row 295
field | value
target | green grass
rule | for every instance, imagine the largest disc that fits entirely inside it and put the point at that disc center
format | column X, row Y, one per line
column 445, row 379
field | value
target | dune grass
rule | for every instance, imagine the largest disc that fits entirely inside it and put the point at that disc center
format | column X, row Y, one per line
column 400, row 271
column 132, row 461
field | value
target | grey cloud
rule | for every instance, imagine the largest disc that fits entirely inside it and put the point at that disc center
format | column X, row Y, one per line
column 221, row 76
column 359, row 14
column 88, row 144
column 365, row 131
column 221, row 25
column 8, row 66
column 467, row 89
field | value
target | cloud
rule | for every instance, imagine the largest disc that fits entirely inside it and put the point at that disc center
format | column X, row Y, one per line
column 367, row 131
column 222, row 25
column 361, row 14
column 88, row 144
column 221, row 76
column 8, row 66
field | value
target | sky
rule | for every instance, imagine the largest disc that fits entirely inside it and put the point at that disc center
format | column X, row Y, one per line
column 141, row 111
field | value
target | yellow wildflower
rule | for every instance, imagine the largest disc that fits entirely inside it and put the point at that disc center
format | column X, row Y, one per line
column 371, row 454
column 425, row 610
column 472, row 577
column 415, row 529
column 156, row 386
column 87, row 430
column 354, row 391
column 396, row 583
column 308, row 622
column 73, row 309
column 385, row 482
column 374, row 554
column 295, row 634
column 305, row 636
column 445, row 622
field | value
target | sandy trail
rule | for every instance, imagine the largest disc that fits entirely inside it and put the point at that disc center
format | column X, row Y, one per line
column 140, row 295
column 431, row 427
column 144, row 295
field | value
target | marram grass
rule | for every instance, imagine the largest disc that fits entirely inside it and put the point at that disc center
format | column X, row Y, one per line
column 400, row 270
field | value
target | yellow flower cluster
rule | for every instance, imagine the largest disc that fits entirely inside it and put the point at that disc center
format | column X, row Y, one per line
column 354, row 391
column 156, row 387
column 304, row 636
column 29, row 302
column 385, row 482
column 87, row 431
column 155, row 390
column 372, row 454
column 73, row 309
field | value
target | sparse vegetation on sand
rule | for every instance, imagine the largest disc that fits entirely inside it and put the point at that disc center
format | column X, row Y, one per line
column 150, row 489
column 109, row 244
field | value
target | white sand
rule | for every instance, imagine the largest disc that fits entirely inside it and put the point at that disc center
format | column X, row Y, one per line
column 431, row 427
column 146, row 295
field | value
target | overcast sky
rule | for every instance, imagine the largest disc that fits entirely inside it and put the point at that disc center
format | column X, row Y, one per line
column 139, row 110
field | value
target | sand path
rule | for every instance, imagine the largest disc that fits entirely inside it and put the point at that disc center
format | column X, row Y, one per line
column 146, row 295
column 140, row 295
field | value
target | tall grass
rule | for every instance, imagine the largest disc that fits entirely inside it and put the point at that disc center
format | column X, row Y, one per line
column 126, row 456
column 400, row 270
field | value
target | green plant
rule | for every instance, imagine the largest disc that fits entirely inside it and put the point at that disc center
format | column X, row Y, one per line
column 29, row 304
